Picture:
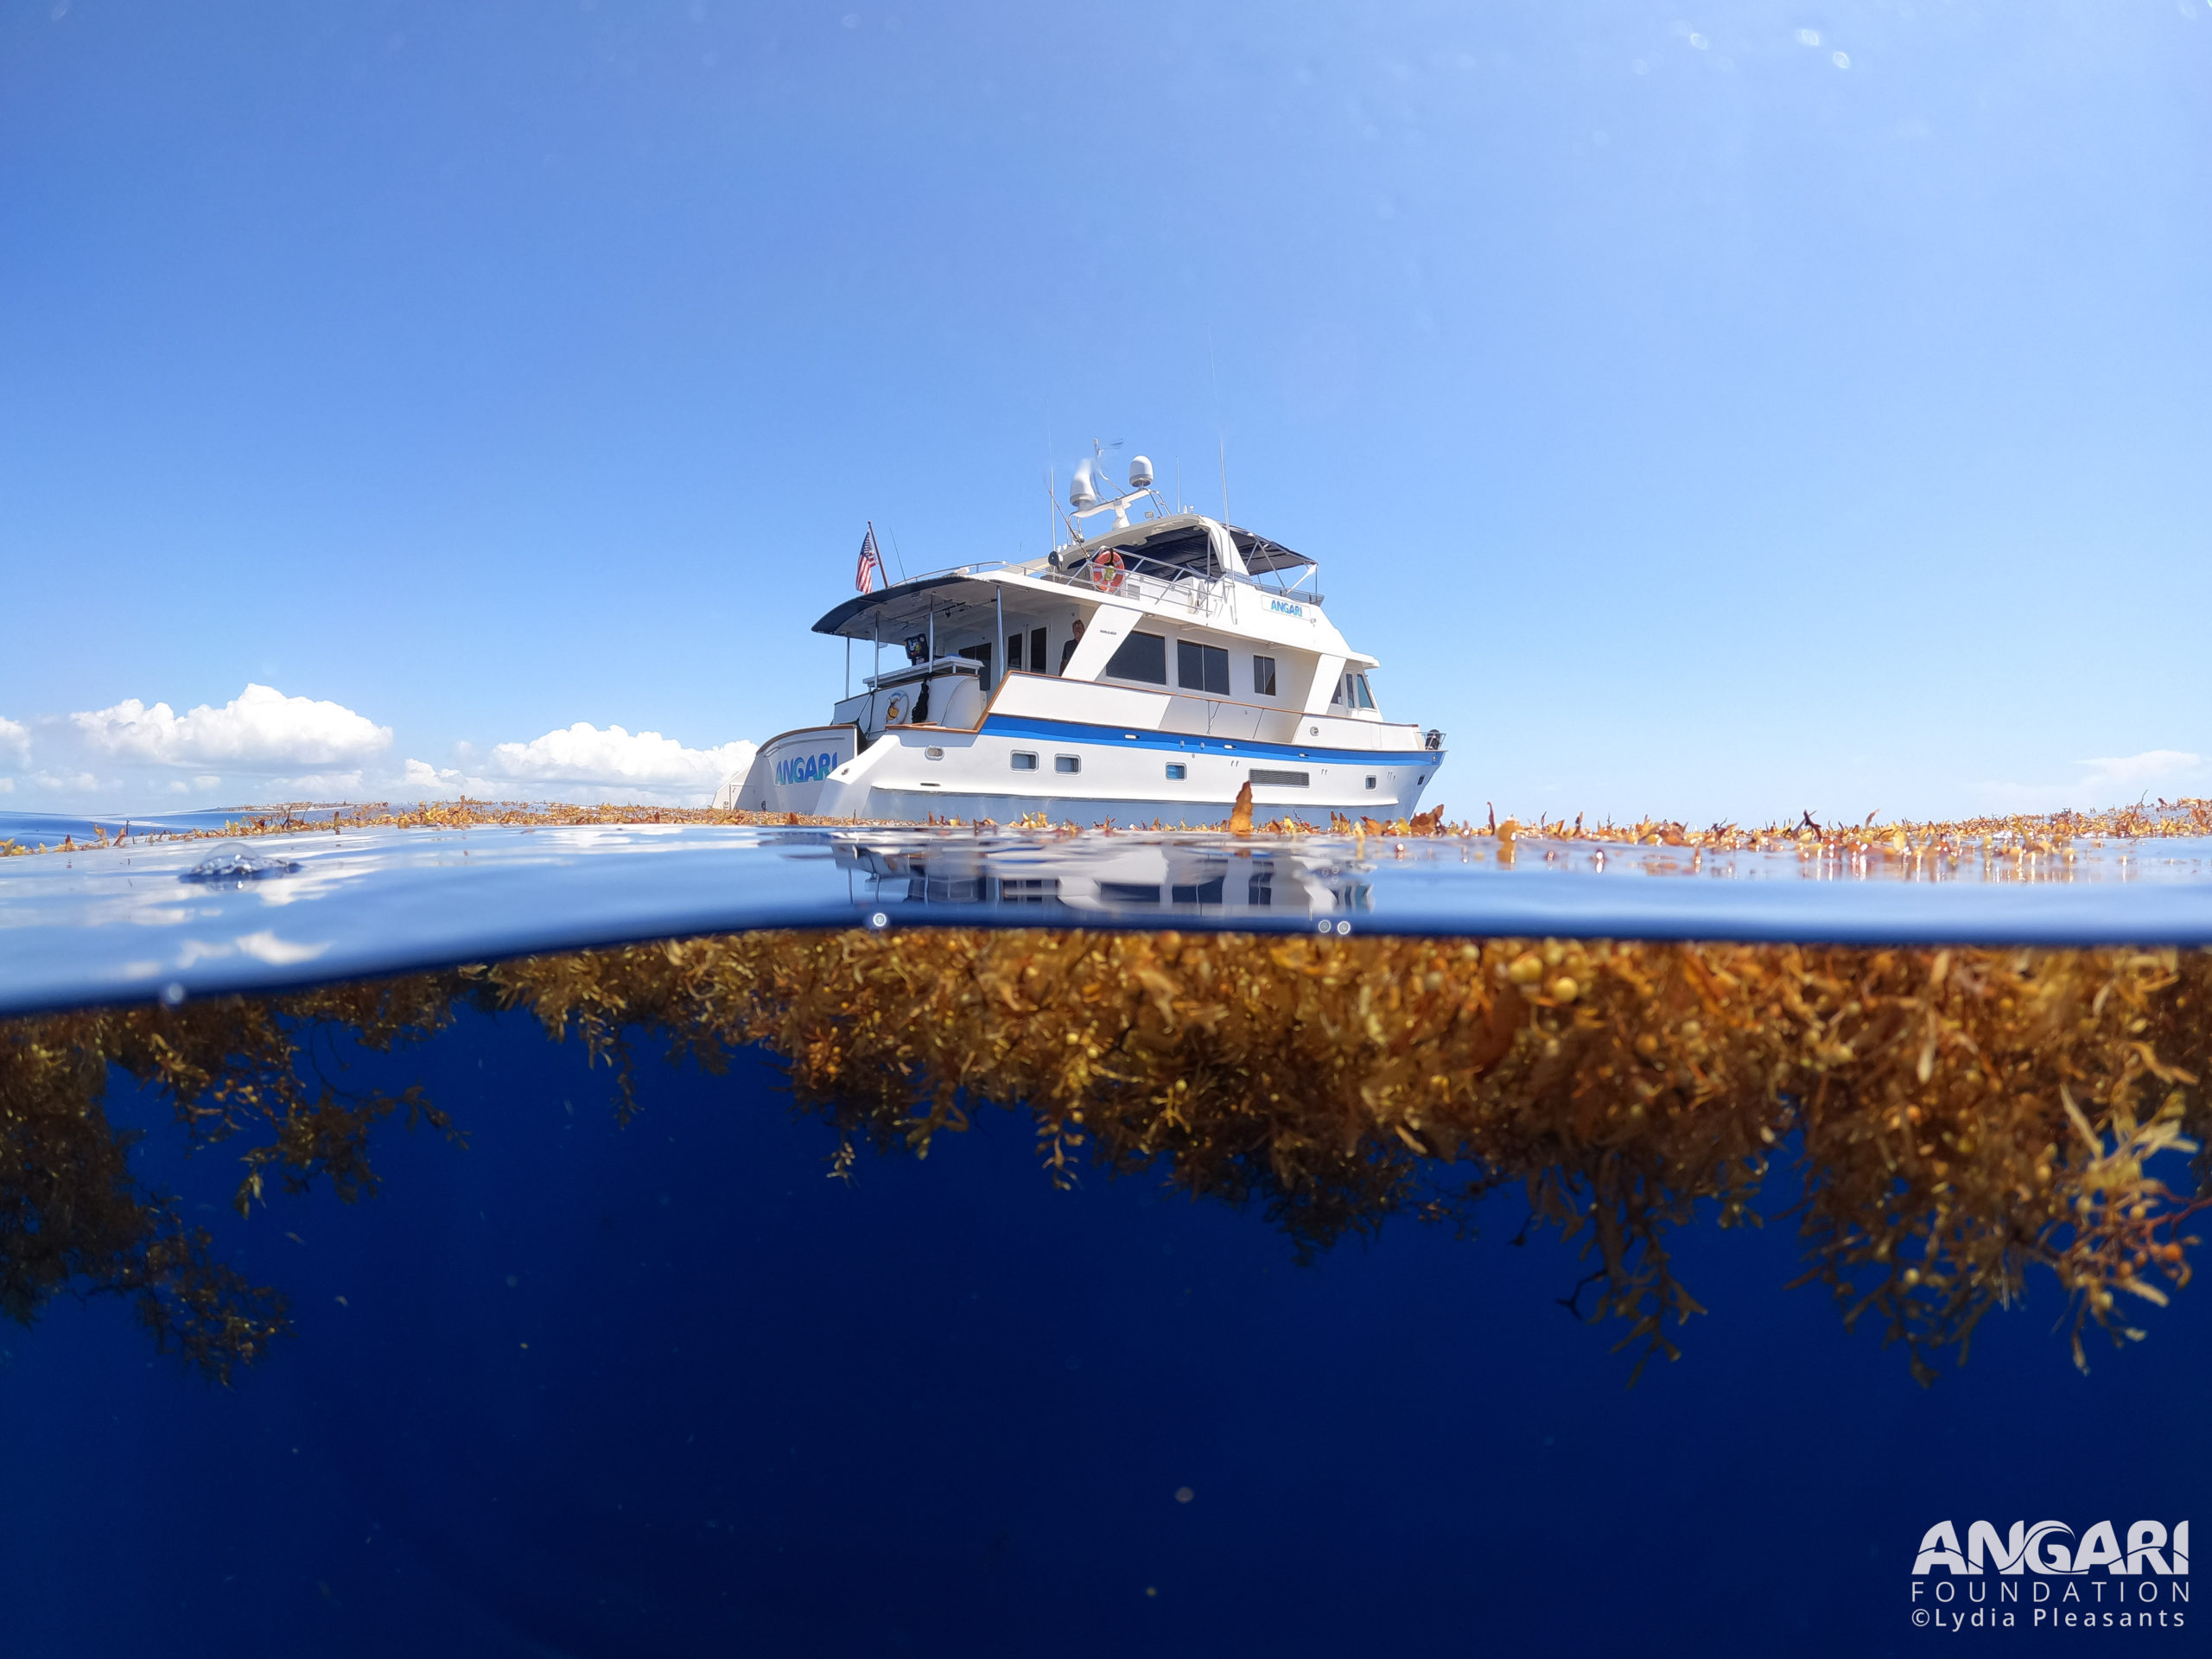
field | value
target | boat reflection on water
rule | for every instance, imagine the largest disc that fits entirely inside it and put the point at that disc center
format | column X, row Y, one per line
column 1123, row 880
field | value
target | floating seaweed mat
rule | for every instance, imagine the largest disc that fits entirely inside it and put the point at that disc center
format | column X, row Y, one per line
column 1961, row 1118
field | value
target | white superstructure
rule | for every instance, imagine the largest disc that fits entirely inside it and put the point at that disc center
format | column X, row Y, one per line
column 1142, row 674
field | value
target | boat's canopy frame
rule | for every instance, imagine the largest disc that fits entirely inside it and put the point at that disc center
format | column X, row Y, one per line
column 1178, row 546
column 893, row 610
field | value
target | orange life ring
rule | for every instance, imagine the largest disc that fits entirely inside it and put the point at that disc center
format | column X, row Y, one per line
column 1107, row 571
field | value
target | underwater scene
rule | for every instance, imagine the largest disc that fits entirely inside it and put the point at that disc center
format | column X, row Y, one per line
column 1502, row 947
column 779, row 1237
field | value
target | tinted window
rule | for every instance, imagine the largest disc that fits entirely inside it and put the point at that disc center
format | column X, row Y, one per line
column 1013, row 651
column 1143, row 657
column 1037, row 659
column 1262, row 778
column 1263, row 676
column 1067, row 763
column 1359, row 686
column 1338, row 696
column 1177, row 769
column 1202, row 668
column 1024, row 762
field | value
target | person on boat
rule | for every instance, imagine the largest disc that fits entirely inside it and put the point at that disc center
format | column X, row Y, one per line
column 1068, row 649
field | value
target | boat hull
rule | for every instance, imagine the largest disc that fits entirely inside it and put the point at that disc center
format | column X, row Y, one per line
column 1015, row 767
column 792, row 768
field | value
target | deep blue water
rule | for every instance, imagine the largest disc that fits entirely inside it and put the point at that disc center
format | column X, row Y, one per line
column 664, row 1389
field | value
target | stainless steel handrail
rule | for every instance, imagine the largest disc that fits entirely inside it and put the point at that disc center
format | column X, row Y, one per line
column 1157, row 579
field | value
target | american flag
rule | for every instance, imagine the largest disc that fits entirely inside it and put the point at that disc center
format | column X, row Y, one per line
column 870, row 561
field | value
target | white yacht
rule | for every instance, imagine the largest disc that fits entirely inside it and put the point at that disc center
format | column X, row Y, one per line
column 1142, row 674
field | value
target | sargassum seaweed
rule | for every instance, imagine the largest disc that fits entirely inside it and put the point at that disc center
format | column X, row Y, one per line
column 1962, row 1119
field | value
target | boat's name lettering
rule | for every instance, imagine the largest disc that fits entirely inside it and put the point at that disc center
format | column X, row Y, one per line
column 1286, row 607
column 804, row 768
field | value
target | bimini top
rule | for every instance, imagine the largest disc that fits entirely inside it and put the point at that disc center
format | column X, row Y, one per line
column 907, row 601
column 1171, row 544
column 1261, row 556
column 1187, row 539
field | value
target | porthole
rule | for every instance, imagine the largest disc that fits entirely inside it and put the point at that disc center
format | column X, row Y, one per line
column 1067, row 763
column 1023, row 761
column 933, row 754
column 1370, row 782
column 1177, row 769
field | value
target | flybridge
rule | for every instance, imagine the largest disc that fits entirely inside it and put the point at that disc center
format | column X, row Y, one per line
column 1175, row 553
column 1161, row 666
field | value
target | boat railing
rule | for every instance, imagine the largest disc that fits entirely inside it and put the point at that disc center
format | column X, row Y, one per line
column 1290, row 589
column 1156, row 580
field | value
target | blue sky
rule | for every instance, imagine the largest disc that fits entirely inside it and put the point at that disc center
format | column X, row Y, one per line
column 1714, row 413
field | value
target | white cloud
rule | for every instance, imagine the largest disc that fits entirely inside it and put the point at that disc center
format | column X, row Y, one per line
column 263, row 745
column 585, row 754
column 584, row 763
column 260, row 730
column 63, row 782
column 2114, row 780
column 2155, row 770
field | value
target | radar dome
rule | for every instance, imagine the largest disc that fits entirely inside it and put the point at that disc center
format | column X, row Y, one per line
column 1140, row 472
column 1083, row 490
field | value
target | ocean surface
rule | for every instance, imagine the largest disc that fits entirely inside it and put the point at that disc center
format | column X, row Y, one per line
column 200, row 917
column 676, row 1381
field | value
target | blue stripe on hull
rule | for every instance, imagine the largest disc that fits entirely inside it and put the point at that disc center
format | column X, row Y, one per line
column 909, row 806
column 1071, row 731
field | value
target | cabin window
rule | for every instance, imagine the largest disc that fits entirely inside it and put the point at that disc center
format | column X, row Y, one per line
column 1371, row 783
column 1197, row 893
column 1023, row 761
column 1067, row 763
column 1013, row 651
column 1029, row 890
column 1260, row 888
column 1128, row 893
column 1202, row 668
column 1142, row 656
column 1337, row 697
column 981, row 656
column 1365, row 698
column 1263, row 676
column 1037, row 658
column 1263, row 779
column 1176, row 769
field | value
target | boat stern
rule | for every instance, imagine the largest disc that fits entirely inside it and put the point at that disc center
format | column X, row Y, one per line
column 789, row 772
